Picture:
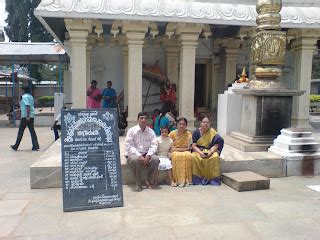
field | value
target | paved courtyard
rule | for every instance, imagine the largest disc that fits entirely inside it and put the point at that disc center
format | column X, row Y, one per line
column 289, row 210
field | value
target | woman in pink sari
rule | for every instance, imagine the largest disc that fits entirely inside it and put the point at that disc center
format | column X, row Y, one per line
column 93, row 96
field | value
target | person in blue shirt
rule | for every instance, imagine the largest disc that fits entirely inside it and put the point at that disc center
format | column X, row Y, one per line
column 109, row 96
column 27, row 119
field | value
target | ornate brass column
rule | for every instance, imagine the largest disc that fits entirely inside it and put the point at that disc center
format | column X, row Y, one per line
column 268, row 47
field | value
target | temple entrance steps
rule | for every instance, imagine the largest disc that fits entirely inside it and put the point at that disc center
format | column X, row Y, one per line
column 46, row 172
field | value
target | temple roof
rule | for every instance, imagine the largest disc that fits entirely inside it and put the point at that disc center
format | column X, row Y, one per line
column 52, row 12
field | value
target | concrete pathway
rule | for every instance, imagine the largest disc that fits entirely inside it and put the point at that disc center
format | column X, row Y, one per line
column 289, row 210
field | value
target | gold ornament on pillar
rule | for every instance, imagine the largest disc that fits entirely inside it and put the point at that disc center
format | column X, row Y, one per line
column 268, row 46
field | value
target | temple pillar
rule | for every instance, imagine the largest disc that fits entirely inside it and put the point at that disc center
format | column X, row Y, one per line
column 78, row 30
column 135, row 32
column 216, row 76
column 172, row 54
column 232, row 47
column 188, row 38
column 303, row 47
column 67, row 83
column 125, row 76
column 90, row 43
column 172, row 58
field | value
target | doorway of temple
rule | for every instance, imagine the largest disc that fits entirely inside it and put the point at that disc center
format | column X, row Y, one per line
column 200, row 86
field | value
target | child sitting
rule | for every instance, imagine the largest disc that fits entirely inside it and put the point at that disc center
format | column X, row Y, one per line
column 164, row 151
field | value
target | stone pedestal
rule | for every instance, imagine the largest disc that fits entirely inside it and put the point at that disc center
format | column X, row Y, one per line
column 300, row 150
column 264, row 114
column 294, row 142
column 230, row 110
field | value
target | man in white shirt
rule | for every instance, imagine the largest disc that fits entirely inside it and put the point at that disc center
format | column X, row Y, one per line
column 141, row 146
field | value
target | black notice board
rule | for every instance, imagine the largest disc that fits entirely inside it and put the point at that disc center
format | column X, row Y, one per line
column 91, row 172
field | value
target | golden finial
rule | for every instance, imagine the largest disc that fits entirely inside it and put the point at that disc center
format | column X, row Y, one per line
column 243, row 77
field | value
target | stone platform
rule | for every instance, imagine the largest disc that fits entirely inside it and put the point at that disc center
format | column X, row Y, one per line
column 46, row 173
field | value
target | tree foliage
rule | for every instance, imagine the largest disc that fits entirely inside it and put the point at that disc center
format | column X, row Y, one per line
column 22, row 25
column 315, row 68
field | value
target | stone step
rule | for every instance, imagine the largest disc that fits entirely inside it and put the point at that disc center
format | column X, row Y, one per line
column 295, row 132
column 245, row 181
column 297, row 147
column 288, row 140
column 245, row 146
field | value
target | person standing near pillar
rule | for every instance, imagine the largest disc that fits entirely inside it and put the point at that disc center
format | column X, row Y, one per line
column 93, row 96
column 141, row 146
column 27, row 119
column 109, row 96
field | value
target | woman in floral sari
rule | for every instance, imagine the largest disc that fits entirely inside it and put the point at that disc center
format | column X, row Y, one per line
column 207, row 146
column 181, row 157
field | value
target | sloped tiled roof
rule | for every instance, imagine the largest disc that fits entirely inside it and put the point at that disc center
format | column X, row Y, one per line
column 25, row 48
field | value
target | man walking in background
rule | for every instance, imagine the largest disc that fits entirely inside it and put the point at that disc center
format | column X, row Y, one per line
column 27, row 119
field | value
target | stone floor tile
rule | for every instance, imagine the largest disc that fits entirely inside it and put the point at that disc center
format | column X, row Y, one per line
column 224, row 231
column 15, row 196
column 45, row 205
column 231, row 212
column 152, row 233
column 8, row 224
column 162, row 217
column 12, row 207
column 38, row 224
column 301, row 228
column 90, row 221
column 291, row 209
column 37, row 237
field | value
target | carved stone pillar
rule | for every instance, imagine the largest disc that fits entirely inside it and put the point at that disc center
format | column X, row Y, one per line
column 188, row 38
column 78, row 31
column 303, row 47
column 135, row 32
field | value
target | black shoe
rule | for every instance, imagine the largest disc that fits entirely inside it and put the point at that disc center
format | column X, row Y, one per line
column 35, row 149
column 13, row 147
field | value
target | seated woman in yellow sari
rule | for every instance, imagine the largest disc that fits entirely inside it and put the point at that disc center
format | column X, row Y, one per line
column 181, row 157
column 207, row 146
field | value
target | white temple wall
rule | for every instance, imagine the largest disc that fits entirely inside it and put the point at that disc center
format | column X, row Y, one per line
column 107, row 65
column 204, row 49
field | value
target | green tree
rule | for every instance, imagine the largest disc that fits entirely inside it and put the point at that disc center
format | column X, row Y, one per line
column 315, row 68
column 22, row 25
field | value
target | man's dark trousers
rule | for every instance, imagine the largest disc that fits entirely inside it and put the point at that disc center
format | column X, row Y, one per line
column 22, row 127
